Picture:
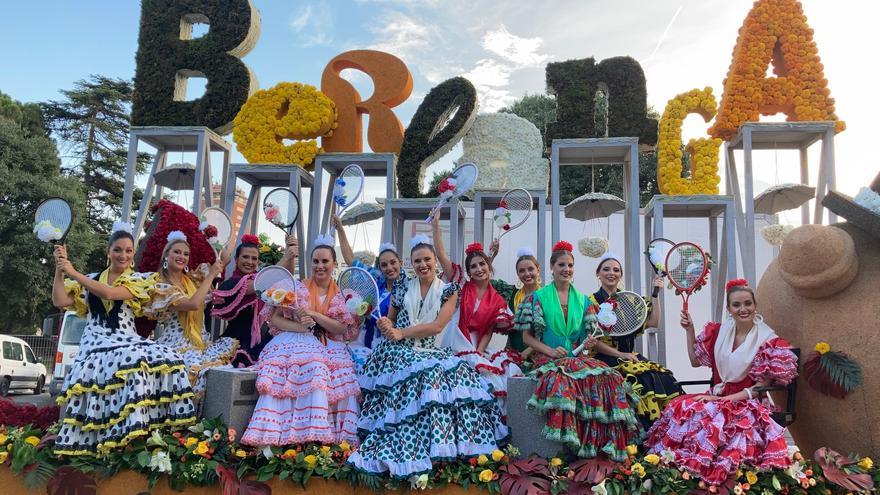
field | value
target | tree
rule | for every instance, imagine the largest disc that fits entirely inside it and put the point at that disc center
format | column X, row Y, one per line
column 435, row 181
column 29, row 173
column 92, row 125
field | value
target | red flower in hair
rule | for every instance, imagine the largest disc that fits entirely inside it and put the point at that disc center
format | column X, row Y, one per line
column 737, row 282
column 473, row 248
column 563, row 246
column 250, row 239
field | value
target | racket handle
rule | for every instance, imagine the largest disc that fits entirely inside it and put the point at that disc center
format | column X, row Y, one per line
column 655, row 293
column 684, row 306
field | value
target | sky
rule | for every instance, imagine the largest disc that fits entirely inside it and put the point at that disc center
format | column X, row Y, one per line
column 500, row 46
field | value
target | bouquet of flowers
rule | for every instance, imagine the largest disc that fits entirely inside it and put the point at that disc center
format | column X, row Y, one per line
column 47, row 232
column 502, row 216
column 272, row 213
column 339, row 192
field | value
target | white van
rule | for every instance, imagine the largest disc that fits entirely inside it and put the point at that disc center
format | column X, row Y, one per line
column 19, row 368
column 70, row 331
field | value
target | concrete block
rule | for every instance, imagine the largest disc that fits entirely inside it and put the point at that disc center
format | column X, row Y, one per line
column 231, row 393
column 525, row 425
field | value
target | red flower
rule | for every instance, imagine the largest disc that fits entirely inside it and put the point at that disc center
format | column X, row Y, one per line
column 445, row 186
column 563, row 246
column 14, row 414
column 473, row 248
column 506, row 226
column 737, row 282
column 169, row 216
column 210, row 231
column 502, row 203
column 250, row 239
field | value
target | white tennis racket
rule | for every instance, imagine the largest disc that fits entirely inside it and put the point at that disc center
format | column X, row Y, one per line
column 347, row 189
column 631, row 312
column 360, row 291
column 513, row 211
column 455, row 186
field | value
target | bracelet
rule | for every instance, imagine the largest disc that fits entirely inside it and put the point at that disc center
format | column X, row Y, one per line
column 749, row 393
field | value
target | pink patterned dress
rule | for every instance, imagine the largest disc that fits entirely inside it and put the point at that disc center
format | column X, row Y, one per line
column 712, row 439
column 308, row 390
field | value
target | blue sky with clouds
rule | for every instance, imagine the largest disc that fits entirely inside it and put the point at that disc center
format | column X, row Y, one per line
column 501, row 46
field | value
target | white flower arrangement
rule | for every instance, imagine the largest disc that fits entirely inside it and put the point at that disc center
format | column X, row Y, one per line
column 47, row 232
column 775, row 234
column 502, row 216
column 593, row 247
column 160, row 461
column 869, row 200
column 606, row 316
column 657, row 257
column 508, row 151
column 418, row 481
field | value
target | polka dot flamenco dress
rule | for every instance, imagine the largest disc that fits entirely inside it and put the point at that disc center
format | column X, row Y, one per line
column 121, row 385
column 422, row 404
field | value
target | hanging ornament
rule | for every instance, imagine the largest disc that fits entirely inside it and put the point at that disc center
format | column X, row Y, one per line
column 832, row 373
column 775, row 234
column 593, row 246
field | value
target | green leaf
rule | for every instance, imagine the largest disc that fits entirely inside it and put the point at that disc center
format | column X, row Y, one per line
column 143, row 458
column 776, row 484
column 284, row 474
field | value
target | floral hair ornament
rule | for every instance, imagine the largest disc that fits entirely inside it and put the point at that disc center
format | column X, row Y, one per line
column 250, row 239
column 120, row 226
column 420, row 239
column 562, row 246
column 737, row 282
column 524, row 251
column 387, row 246
column 176, row 235
column 473, row 248
column 325, row 240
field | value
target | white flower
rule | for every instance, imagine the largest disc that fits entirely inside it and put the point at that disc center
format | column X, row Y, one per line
column 606, row 315
column 353, row 304
column 668, row 456
column 775, row 234
column 418, row 482
column 593, row 246
column 156, row 440
column 160, row 462
column 338, row 191
column 600, row 488
column 658, row 258
column 446, row 194
column 267, row 452
column 796, row 471
column 47, row 232
column 868, row 199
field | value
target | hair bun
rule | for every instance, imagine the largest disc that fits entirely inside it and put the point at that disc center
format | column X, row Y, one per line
column 737, row 282
column 473, row 248
column 250, row 239
column 563, row 246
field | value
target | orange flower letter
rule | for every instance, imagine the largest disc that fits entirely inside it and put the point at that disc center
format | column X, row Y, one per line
column 703, row 152
column 392, row 84
column 775, row 31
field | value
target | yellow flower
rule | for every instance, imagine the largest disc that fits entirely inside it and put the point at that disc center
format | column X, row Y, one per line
column 289, row 453
column 325, row 449
column 32, row 440
column 652, row 459
column 866, row 463
column 265, row 248
column 240, row 454
column 486, row 475
column 345, row 446
column 497, row 455
column 822, row 347
column 310, row 460
column 3, row 438
column 202, row 448
column 751, row 477
column 632, row 450
column 556, row 462
column 3, row 456
column 638, row 469
column 482, row 459
column 190, row 442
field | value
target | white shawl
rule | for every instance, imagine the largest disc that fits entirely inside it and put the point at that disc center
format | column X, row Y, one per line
column 422, row 312
column 734, row 366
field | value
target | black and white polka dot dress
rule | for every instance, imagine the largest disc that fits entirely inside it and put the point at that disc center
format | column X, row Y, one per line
column 121, row 385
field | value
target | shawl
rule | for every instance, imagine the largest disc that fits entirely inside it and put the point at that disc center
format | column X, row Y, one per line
column 481, row 321
column 564, row 329
column 242, row 300
column 315, row 303
column 734, row 365
column 422, row 312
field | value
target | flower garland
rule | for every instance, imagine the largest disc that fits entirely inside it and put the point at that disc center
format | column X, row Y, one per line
column 210, row 232
column 272, row 213
column 287, row 111
column 593, row 247
column 355, row 304
column 774, row 31
column 446, row 187
column 206, row 454
column 704, row 176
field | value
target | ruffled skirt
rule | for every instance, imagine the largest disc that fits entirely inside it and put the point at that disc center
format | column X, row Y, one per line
column 712, row 439
column 589, row 407
column 308, row 393
column 423, row 405
column 120, row 387
column 218, row 353
column 654, row 384
column 495, row 368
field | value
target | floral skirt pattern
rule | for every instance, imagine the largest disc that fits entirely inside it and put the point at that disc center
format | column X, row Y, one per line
column 120, row 387
column 422, row 405
column 308, row 393
column 589, row 407
column 712, row 439
column 217, row 353
column 654, row 384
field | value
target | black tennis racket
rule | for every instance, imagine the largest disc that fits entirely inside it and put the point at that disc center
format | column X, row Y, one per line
column 52, row 220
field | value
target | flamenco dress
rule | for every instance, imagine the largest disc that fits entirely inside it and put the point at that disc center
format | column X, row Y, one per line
column 233, row 304
column 589, row 407
column 712, row 439
column 369, row 336
column 308, row 389
column 121, row 386
column 422, row 404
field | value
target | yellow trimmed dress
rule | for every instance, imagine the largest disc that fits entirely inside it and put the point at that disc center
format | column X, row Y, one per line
column 121, row 385
column 184, row 331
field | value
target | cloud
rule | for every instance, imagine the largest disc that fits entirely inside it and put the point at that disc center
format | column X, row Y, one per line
column 402, row 35
column 522, row 52
column 314, row 24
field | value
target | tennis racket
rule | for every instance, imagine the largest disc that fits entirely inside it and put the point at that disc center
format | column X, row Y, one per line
column 657, row 250
column 513, row 210
column 631, row 312
column 455, row 186
column 281, row 208
column 276, row 286
column 360, row 291
column 53, row 220
column 347, row 189
column 686, row 268
column 219, row 235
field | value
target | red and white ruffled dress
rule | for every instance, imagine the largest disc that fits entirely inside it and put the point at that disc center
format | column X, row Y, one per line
column 712, row 439
column 308, row 390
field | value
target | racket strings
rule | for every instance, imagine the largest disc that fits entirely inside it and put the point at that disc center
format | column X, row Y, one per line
column 631, row 313
column 354, row 181
column 361, row 283
column 57, row 213
column 465, row 177
column 685, row 266
column 519, row 203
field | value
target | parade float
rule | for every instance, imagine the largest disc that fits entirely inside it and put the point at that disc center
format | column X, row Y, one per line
column 832, row 416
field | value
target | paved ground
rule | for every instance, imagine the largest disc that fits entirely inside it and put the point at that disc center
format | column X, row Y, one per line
column 29, row 398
